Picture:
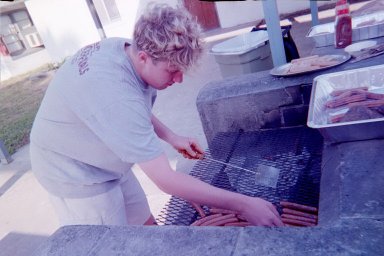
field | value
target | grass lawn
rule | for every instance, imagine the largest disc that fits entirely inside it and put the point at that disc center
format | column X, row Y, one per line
column 20, row 99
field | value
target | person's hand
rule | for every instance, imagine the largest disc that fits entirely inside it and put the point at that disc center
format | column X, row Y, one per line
column 188, row 147
column 261, row 213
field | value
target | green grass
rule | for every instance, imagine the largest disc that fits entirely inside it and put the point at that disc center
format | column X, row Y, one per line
column 20, row 98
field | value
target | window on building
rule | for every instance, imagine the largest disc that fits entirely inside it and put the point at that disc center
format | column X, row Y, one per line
column 112, row 10
column 107, row 11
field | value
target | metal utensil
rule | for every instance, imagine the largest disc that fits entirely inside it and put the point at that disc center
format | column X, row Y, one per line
column 228, row 164
column 369, row 53
column 264, row 175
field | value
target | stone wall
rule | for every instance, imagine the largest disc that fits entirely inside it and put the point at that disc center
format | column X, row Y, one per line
column 246, row 104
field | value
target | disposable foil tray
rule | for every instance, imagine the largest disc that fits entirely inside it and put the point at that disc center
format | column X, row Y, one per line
column 318, row 115
column 363, row 27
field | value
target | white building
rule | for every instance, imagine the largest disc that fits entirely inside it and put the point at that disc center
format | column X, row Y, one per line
column 55, row 29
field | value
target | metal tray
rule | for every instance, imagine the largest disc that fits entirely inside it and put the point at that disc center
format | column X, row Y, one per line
column 323, row 85
column 324, row 34
column 283, row 69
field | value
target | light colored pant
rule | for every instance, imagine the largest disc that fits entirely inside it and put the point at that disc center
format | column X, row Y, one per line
column 123, row 205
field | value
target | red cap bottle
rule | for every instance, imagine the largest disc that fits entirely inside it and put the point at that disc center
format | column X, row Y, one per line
column 343, row 25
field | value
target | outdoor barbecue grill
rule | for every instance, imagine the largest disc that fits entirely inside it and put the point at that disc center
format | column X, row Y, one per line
column 295, row 152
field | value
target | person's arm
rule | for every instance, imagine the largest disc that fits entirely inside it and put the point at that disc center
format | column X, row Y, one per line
column 188, row 147
column 255, row 210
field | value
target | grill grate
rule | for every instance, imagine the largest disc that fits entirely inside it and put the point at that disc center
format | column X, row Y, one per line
column 295, row 152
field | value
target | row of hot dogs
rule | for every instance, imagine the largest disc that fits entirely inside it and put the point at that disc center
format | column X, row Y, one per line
column 357, row 103
column 298, row 215
column 292, row 215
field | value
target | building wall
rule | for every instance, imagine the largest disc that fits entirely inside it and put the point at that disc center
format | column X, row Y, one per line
column 129, row 13
column 246, row 11
column 64, row 26
column 13, row 67
column 67, row 25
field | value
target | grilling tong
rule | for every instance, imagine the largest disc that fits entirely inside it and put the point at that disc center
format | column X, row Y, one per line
column 227, row 164
column 264, row 175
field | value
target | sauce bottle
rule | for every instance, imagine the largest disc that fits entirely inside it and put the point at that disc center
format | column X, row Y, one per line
column 343, row 24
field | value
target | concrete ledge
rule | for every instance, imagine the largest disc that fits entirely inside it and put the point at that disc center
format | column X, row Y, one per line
column 352, row 182
column 354, row 238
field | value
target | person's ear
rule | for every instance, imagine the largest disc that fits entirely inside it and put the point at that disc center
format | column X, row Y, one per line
column 143, row 57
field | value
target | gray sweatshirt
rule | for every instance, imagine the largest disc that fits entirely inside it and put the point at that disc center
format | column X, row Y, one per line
column 94, row 123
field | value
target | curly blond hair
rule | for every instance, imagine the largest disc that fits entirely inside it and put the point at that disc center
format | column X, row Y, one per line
column 169, row 34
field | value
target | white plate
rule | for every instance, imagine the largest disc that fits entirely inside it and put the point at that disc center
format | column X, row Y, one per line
column 282, row 70
column 357, row 47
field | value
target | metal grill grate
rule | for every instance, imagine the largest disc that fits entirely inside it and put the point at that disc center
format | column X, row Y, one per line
column 295, row 152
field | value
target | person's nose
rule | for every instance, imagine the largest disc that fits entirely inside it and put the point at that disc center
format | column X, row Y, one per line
column 178, row 77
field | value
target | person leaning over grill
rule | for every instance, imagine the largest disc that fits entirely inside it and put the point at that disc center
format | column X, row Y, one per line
column 95, row 122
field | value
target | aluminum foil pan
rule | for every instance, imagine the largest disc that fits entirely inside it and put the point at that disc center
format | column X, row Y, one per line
column 363, row 27
column 318, row 115
column 241, row 44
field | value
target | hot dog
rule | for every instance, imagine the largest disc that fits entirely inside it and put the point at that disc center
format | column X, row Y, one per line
column 301, row 218
column 368, row 103
column 238, row 224
column 375, row 96
column 219, row 219
column 205, row 219
column 298, row 213
column 337, row 102
column 198, row 208
column 223, row 222
column 297, row 222
column 299, row 207
column 223, row 211
column 339, row 92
